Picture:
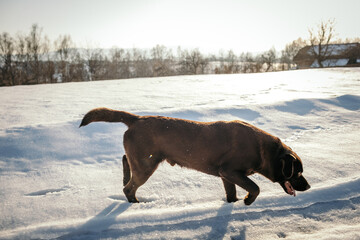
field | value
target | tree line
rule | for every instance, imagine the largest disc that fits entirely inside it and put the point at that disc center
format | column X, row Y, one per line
column 33, row 59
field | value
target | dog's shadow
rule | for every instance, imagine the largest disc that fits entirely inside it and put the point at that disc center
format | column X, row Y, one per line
column 123, row 198
column 220, row 224
column 102, row 222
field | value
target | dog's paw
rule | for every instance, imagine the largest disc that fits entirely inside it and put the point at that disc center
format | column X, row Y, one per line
column 130, row 198
column 249, row 199
column 231, row 199
column 133, row 200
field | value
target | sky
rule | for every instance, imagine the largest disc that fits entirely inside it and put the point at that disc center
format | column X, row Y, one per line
column 240, row 25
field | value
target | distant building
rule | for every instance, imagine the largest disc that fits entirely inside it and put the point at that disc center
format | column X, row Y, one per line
column 338, row 55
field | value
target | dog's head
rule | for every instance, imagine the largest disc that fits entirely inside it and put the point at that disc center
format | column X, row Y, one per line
column 290, row 174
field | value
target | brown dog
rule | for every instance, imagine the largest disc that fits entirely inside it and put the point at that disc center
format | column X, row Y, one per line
column 230, row 150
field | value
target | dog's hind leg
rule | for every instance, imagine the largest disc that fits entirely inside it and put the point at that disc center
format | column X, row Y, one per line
column 230, row 190
column 139, row 175
column 126, row 170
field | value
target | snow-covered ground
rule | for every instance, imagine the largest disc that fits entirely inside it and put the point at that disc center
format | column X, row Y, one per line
column 59, row 181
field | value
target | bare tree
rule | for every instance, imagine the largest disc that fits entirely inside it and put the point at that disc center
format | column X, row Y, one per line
column 33, row 46
column 268, row 58
column 7, row 67
column 162, row 61
column 228, row 64
column 290, row 51
column 221, row 59
column 78, row 69
column 350, row 40
column 320, row 40
column 247, row 60
column 22, row 57
column 47, row 64
column 141, row 64
column 232, row 62
column 94, row 62
column 64, row 47
column 193, row 62
column 158, row 52
column 119, row 63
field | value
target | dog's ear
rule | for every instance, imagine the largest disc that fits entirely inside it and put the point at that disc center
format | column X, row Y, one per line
column 287, row 163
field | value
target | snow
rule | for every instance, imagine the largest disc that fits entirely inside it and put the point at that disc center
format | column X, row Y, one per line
column 331, row 63
column 59, row 181
column 335, row 49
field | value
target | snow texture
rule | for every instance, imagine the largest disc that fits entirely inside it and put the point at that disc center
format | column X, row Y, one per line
column 61, row 182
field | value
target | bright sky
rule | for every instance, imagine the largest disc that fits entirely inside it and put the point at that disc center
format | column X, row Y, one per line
column 241, row 25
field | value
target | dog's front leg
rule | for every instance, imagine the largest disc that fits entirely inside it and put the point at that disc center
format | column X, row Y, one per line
column 230, row 191
column 243, row 181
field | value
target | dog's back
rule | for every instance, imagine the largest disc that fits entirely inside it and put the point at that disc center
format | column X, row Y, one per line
column 203, row 146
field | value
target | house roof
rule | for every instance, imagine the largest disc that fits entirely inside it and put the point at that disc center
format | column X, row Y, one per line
column 337, row 51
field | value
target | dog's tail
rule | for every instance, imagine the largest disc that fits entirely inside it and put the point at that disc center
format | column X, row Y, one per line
column 109, row 115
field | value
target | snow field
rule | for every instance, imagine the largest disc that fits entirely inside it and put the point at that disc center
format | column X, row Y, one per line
column 59, row 181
